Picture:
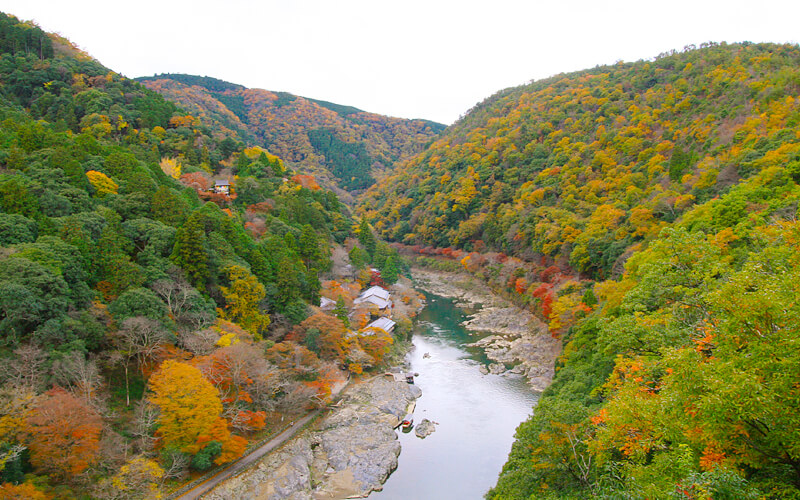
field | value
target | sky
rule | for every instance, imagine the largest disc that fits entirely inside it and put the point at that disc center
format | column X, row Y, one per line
column 432, row 59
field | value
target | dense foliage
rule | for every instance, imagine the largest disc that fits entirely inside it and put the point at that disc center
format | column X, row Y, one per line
column 677, row 178
column 581, row 167
column 144, row 299
column 341, row 145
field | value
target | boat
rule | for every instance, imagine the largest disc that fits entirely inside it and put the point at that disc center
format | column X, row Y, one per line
column 407, row 422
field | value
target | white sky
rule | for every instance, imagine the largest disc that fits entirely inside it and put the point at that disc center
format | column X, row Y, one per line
column 431, row 59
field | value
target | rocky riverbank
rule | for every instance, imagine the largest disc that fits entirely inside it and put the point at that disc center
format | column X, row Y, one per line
column 348, row 454
column 518, row 342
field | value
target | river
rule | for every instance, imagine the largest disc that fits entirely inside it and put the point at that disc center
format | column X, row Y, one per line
column 477, row 414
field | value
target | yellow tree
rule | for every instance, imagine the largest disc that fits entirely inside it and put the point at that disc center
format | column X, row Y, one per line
column 242, row 301
column 189, row 404
column 171, row 167
column 102, row 183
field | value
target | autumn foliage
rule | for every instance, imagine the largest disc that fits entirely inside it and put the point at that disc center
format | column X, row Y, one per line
column 63, row 434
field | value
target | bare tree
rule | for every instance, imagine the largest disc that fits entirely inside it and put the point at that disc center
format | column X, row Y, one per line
column 181, row 299
column 79, row 375
column 141, row 339
column 144, row 423
column 200, row 342
column 25, row 369
column 175, row 464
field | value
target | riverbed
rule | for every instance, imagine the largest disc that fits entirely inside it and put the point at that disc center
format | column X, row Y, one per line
column 476, row 414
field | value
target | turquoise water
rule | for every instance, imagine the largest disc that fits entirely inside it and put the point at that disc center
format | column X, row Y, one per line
column 477, row 414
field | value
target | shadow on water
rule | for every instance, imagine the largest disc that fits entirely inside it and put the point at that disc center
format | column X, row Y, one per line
column 476, row 414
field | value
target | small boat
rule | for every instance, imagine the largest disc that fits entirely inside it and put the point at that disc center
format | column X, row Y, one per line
column 407, row 422
column 410, row 378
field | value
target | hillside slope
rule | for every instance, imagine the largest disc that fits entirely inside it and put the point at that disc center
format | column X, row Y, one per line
column 677, row 182
column 341, row 145
column 145, row 318
column 580, row 167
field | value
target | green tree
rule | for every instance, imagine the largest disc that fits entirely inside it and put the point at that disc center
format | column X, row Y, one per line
column 190, row 251
column 341, row 312
column 390, row 272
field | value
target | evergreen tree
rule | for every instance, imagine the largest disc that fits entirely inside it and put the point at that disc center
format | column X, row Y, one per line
column 190, row 251
column 366, row 238
column 390, row 272
column 340, row 311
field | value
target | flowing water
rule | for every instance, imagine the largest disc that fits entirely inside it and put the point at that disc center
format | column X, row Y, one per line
column 477, row 414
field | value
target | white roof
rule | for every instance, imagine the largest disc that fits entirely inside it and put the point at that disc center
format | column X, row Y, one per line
column 372, row 299
column 376, row 291
column 222, row 183
column 384, row 324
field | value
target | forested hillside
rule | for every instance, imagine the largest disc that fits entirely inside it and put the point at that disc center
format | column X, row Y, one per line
column 341, row 145
column 146, row 316
column 676, row 181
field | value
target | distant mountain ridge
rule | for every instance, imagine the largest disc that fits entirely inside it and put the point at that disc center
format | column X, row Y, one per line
column 341, row 145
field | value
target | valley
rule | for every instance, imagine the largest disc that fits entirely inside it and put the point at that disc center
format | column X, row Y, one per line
column 610, row 258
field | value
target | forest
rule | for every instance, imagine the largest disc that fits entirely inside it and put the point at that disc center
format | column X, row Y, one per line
column 154, row 326
column 647, row 212
column 165, row 244
column 346, row 148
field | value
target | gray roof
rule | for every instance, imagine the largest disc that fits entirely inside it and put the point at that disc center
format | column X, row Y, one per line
column 384, row 324
column 372, row 299
column 376, row 291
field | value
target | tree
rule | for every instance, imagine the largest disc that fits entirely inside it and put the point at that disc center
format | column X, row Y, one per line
column 141, row 339
column 390, row 272
column 102, row 184
column 138, row 479
column 81, row 376
column 188, row 403
column 24, row 491
column 185, row 304
column 308, row 247
column 341, row 312
column 242, row 300
column 190, row 251
column 63, row 434
column 366, row 238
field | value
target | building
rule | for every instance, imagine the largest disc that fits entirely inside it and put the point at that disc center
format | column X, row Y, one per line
column 384, row 324
column 375, row 295
column 222, row 187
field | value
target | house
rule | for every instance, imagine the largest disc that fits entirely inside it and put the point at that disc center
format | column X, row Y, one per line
column 382, row 304
column 384, row 324
column 374, row 291
column 222, row 187
column 327, row 304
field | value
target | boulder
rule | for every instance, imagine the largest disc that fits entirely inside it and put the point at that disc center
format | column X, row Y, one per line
column 424, row 428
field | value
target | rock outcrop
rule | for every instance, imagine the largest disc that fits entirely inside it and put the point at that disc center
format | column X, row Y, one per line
column 350, row 453
column 516, row 337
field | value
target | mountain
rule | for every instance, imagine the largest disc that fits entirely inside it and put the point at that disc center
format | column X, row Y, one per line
column 580, row 167
column 341, row 145
column 648, row 212
column 144, row 316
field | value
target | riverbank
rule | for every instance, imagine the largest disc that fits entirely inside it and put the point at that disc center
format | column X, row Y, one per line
column 517, row 341
column 347, row 454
